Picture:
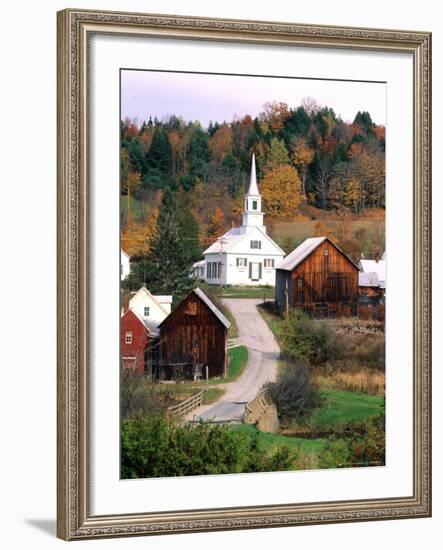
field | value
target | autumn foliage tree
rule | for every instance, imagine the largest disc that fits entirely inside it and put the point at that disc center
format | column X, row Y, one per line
column 281, row 191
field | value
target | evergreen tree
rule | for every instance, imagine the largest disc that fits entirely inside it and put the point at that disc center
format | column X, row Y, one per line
column 167, row 268
column 198, row 153
column 159, row 160
column 189, row 229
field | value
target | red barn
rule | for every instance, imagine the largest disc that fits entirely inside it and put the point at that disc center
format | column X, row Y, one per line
column 135, row 338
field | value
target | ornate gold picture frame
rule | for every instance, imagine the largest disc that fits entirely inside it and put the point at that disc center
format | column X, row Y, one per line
column 75, row 30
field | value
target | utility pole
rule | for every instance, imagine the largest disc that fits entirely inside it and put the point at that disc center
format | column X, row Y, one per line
column 287, row 299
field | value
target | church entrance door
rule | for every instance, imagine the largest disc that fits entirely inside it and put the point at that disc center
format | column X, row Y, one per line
column 255, row 271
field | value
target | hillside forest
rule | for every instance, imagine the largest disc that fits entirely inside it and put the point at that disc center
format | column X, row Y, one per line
column 317, row 174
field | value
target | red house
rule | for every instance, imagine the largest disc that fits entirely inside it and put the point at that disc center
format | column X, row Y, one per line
column 135, row 338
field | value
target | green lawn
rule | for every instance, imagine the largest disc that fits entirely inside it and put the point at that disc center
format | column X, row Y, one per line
column 341, row 406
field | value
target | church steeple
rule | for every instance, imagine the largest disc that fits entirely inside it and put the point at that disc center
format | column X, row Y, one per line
column 253, row 215
column 253, row 189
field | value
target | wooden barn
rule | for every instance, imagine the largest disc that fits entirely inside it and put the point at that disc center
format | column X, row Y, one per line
column 195, row 334
column 319, row 278
column 135, row 341
column 371, row 300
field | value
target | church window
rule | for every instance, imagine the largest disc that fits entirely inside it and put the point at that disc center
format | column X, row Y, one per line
column 269, row 262
column 242, row 262
column 146, row 311
column 256, row 244
column 254, row 205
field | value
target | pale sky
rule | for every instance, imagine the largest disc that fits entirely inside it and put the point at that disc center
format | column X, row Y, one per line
column 206, row 97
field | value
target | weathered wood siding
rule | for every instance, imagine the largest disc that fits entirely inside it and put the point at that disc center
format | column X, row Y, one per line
column 192, row 334
column 324, row 283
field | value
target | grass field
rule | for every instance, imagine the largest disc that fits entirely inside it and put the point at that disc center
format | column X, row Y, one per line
column 341, row 407
column 268, row 441
column 362, row 233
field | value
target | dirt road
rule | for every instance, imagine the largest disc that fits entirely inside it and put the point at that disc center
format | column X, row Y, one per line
column 263, row 352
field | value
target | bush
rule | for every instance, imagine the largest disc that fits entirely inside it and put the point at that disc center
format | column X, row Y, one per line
column 294, row 394
column 153, row 446
column 139, row 396
column 356, row 444
column 302, row 337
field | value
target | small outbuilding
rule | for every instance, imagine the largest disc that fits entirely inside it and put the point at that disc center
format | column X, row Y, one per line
column 195, row 334
column 319, row 278
column 135, row 341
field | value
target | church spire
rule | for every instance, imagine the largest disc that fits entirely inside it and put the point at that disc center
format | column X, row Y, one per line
column 253, row 189
column 252, row 214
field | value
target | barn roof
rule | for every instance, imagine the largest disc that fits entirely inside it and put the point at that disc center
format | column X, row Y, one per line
column 368, row 279
column 199, row 292
column 372, row 266
column 302, row 251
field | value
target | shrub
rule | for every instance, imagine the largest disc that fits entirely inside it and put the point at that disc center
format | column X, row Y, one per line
column 301, row 337
column 139, row 396
column 294, row 394
column 153, row 446
column 356, row 444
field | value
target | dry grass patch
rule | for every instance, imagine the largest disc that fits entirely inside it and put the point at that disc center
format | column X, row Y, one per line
column 362, row 381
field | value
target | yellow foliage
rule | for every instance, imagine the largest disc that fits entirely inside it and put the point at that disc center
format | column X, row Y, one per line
column 281, row 191
column 135, row 236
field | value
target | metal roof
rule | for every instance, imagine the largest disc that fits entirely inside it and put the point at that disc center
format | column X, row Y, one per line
column 300, row 253
column 306, row 248
column 372, row 266
column 199, row 292
column 368, row 279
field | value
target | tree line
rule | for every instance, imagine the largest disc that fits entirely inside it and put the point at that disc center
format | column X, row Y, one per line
column 306, row 156
column 334, row 163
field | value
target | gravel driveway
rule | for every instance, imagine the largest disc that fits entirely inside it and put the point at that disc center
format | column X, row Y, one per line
column 263, row 352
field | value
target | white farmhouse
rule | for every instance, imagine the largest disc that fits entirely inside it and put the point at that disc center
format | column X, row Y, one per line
column 151, row 309
column 244, row 255
column 125, row 264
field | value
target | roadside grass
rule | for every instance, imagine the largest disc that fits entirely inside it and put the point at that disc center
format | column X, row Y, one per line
column 211, row 395
column 238, row 357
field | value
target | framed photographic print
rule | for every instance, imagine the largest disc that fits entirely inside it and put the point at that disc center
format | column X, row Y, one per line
column 243, row 274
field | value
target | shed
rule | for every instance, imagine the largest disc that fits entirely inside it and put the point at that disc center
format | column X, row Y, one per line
column 319, row 278
column 195, row 333
column 135, row 340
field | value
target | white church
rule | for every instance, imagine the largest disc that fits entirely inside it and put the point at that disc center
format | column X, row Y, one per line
column 244, row 255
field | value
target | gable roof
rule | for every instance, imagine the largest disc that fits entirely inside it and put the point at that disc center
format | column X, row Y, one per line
column 198, row 292
column 368, row 279
column 139, row 319
column 372, row 266
column 125, row 253
column 233, row 237
column 305, row 249
column 158, row 300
